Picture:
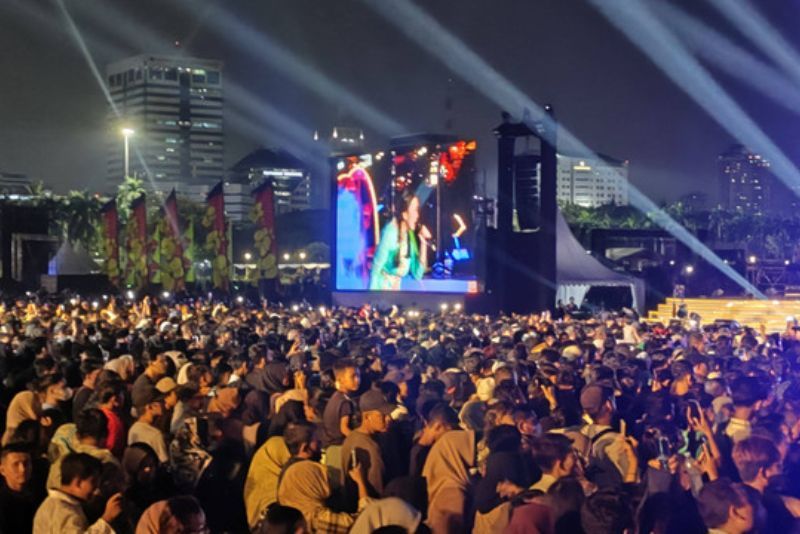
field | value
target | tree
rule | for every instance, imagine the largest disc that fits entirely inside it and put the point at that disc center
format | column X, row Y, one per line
column 129, row 190
column 77, row 219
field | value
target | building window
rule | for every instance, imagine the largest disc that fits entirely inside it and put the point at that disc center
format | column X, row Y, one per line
column 198, row 78
column 213, row 77
column 138, row 74
column 171, row 74
column 130, row 75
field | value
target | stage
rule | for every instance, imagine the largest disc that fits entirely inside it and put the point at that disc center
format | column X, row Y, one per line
column 772, row 313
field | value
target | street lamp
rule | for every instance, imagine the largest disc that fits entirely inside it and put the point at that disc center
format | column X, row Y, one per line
column 248, row 256
column 286, row 256
column 127, row 133
column 302, row 255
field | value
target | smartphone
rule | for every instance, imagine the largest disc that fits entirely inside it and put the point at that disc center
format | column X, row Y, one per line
column 694, row 409
column 664, row 453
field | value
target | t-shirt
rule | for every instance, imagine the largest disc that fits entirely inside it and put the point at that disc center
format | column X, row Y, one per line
column 79, row 401
column 17, row 509
column 368, row 455
column 338, row 406
column 144, row 433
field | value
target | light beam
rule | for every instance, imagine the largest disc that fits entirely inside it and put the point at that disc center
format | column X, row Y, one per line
column 429, row 34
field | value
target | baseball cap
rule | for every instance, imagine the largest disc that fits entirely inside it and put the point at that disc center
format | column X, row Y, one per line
column 146, row 396
column 374, row 401
column 594, row 396
column 166, row 385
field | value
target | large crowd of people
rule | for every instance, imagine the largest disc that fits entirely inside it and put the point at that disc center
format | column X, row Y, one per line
column 197, row 416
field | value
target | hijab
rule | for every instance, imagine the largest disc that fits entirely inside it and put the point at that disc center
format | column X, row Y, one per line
column 261, row 486
column 390, row 511
column 449, row 462
column 304, row 485
column 270, row 379
column 124, row 366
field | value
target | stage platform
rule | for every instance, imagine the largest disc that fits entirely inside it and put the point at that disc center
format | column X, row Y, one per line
column 750, row 312
column 405, row 299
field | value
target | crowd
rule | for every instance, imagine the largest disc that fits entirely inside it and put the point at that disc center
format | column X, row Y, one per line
column 168, row 417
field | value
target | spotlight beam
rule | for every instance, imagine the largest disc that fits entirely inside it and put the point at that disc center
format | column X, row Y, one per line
column 295, row 135
column 734, row 60
column 761, row 32
column 669, row 54
column 87, row 55
column 268, row 51
column 430, row 35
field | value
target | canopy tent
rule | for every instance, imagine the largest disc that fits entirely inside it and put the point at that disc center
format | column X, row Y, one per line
column 71, row 261
column 577, row 271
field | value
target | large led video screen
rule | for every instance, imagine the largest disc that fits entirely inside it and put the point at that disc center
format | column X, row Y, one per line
column 404, row 219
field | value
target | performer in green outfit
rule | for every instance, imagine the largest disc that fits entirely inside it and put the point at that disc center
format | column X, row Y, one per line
column 403, row 249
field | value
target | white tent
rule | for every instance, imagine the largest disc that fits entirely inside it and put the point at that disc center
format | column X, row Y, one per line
column 71, row 261
column 577, row 271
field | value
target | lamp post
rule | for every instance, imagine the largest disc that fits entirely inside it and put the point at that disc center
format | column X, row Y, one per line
column 127, row 133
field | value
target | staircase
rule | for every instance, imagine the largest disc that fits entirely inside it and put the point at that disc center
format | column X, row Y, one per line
column 747, row 312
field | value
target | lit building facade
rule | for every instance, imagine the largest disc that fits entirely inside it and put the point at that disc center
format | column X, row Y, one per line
column 586, row 182
column 592, row 182
column 291, row 181
column 174, row 105
column 746, row 181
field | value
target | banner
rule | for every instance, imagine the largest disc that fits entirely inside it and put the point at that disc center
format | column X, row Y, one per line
column 263, row 216
column 191, row 253
column 136, row 265
column 110, row 218
column 217, row 237
column 171, row 261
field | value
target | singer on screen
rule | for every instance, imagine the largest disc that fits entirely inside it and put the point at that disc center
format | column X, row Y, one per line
column 403, row 248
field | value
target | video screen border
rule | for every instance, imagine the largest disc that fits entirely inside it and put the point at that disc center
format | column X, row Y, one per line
column 471, row 283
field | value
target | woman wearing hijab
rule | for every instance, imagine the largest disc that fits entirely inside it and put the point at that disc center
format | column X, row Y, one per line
column 447, row 472
column 268, row 384
column 261, row 485
column 124, row 366
column 45, row 392
column 304, row 485
column 178, row 514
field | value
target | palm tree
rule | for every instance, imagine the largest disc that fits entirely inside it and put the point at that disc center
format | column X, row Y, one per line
column 77, row 216
column 129, row 190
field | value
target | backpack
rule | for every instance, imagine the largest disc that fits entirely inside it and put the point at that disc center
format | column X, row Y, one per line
column 601, row 470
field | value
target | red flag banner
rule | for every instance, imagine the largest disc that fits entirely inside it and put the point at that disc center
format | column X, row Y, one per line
column 110, row 218
column 263, row 216
column 217, row 237
column 172, row 262
column 136, row 266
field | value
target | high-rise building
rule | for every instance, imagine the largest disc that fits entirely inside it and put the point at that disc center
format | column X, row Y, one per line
column 747, row 183
column 14, row 185
column 345, row 140
column 592, row 182
column 586, row 182
column 291, row 181
column 174, row 107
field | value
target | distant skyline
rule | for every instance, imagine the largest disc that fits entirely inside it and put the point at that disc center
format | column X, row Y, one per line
column 53, row 116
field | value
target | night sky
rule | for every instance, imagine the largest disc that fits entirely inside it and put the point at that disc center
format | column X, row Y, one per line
column 53, row 115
